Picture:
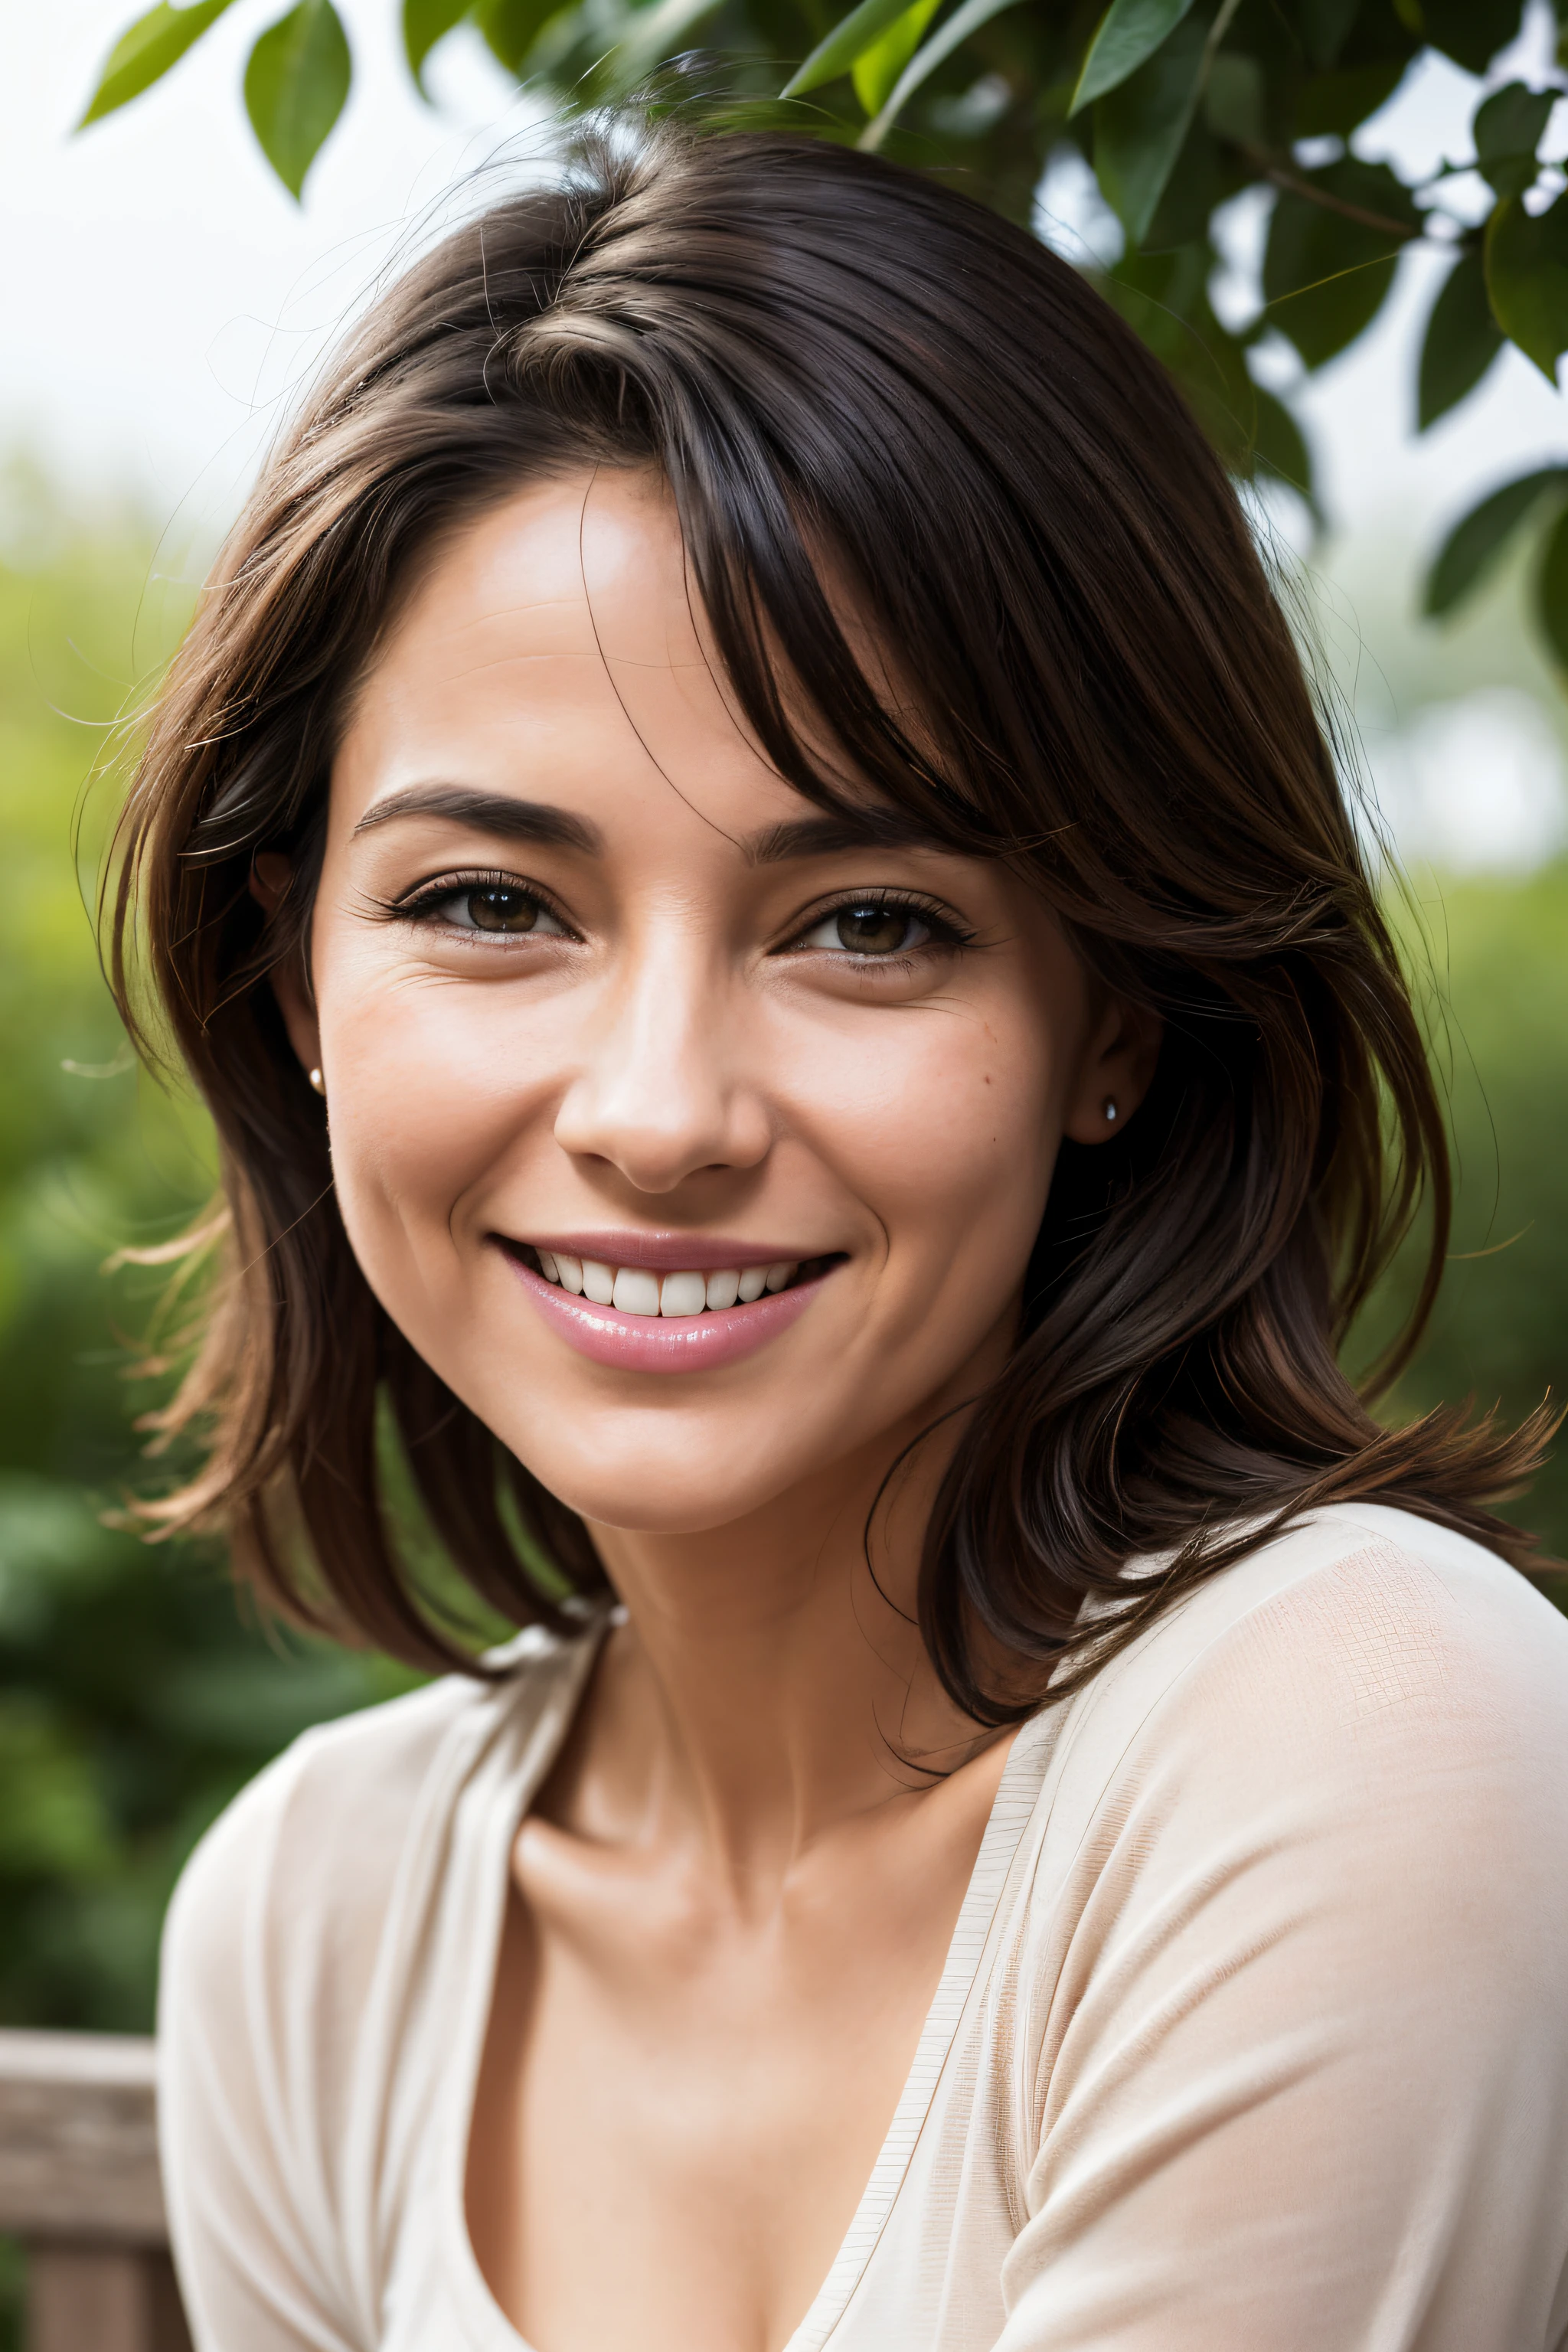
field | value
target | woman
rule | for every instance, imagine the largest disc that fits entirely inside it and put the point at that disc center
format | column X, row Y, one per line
column 742, row 857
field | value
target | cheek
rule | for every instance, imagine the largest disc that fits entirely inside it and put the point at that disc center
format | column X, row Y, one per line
column 432, row 1087
column 946, row 1123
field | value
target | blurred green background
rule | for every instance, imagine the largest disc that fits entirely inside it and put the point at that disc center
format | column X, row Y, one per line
column 135, row 1696
column 135, row 1693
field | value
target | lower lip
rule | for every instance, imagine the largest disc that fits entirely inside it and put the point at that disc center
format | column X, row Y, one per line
column 665, row 1343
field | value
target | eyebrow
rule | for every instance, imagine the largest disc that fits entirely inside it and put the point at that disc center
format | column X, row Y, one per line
column 499, row 813
column 820, row 836
column 540, row 821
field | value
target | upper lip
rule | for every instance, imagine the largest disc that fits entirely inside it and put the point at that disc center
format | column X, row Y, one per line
column 665, row 1252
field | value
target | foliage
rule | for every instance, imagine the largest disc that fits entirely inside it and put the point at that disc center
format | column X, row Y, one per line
column 295, row 86
column 1179, row 106
column 1487, row 958
column 134, row 1698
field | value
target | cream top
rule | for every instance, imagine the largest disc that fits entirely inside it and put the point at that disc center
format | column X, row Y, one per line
column 1253, row 2035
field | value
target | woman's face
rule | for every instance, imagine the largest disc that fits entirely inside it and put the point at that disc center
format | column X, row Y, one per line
column 594, row 989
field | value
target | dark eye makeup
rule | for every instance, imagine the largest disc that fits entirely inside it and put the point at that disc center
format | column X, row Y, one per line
column 872, row 926
column 485, row 906
column 880, row 927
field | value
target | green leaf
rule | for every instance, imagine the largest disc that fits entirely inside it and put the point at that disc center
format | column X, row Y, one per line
column 850, row 38
column 1139, row 130
column 1472, row 31
column 1462, row 341
column 876, row 70
column 1526, row 279
column 145, row 52
column 1324, row 25
column 1330, row 105
column 1165, row 297
column 425, row 22
column 1474, row 545
column 1279, row 446
column 1326, row 271
column 511, row 27
column 1196, row 185
column 1552, row 589
column 651, row 35
column 947, row 38
column 1506, row 132
column 1235, row 99
column 295, row 87
column 1129, row 32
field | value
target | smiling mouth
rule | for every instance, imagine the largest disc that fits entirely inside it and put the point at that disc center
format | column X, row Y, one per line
column 681, row 1293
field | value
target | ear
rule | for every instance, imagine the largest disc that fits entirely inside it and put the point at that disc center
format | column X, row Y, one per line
column 270, row 875
column 1118, row 1063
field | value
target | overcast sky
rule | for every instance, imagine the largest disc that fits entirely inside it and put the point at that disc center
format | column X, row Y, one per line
column 161, row 292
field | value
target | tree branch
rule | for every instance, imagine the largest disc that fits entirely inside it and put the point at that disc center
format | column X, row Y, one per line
column 1294, row 186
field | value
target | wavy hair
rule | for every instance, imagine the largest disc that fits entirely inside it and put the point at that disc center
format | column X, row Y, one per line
column 833, row 361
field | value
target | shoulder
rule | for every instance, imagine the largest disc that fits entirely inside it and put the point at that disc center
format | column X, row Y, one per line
column 1289, row 1958
column 1367, row 1683
column 325, row 1956
column 302, row 1869
column 1362, row 1611
column 1324, row 1794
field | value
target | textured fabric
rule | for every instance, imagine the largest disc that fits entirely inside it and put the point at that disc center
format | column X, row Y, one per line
column 1253, row 2036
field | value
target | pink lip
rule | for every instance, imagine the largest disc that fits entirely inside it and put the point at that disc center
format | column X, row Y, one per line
column 669, row 1253
column 663, row 1343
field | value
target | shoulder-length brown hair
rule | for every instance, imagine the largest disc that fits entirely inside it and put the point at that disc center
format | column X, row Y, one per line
column 833, row 359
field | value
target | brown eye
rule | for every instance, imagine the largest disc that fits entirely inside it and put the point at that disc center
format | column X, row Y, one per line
column 872, row 929
column 497, row 909
column 501, row 910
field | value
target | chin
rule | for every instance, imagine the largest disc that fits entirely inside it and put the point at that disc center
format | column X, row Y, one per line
column 661, row 1490
column 677, row 1467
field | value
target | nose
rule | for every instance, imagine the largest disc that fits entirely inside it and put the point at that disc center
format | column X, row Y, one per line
column 663, row 1090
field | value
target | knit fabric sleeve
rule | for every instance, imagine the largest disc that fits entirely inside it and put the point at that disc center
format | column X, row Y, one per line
column 1300, row 2077
column 293, row 1931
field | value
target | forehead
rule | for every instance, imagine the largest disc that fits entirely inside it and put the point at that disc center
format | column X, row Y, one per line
column 551, row 647
column 552, row 567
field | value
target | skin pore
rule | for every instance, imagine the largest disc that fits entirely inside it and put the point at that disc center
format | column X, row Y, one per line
column 582, row 964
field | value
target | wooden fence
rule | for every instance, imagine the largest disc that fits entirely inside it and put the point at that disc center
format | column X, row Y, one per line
column 79, row 2185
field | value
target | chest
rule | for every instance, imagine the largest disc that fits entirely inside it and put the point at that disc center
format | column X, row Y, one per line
column 681, row 2102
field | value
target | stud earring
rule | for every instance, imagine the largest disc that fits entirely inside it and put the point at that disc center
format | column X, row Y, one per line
column 1110, row 1108
column 317, row 1082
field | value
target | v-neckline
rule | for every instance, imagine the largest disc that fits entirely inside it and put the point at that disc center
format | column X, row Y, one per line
column 1011, row 1807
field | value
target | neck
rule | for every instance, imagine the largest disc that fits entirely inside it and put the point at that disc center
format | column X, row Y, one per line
column 771, row 1681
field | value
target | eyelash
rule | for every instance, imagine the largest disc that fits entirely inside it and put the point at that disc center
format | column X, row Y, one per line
column 948, row 934
column 421, row 903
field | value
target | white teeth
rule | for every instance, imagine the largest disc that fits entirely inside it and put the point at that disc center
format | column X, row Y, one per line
column 636, row 1291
